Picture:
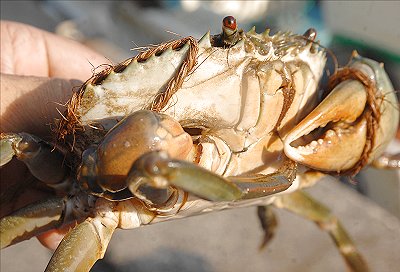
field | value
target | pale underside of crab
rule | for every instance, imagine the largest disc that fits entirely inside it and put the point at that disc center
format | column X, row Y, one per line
column 190, row 127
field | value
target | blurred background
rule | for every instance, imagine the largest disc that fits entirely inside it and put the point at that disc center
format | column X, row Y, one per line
column 217, row 242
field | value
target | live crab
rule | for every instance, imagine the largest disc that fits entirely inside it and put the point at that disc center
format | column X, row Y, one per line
column 187, row 127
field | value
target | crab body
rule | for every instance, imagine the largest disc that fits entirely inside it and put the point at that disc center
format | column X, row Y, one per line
column 191, row 127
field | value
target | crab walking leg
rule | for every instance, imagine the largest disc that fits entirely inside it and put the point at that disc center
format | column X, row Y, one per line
column 157, row 169
column 44, row 215
column 6, row 148
column 86, row 243
column 387, row 161
column 43, row 161
column 259, row 185
column 31, row 220
column 268, row 223
column 302, row 204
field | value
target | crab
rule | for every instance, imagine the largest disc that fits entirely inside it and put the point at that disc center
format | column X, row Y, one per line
column 189, row 127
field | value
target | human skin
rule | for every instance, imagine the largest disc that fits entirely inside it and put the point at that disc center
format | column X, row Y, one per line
column 39, row 71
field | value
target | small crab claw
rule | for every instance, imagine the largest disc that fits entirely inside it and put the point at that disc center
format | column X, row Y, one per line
column 104, row 169
column 353, row 124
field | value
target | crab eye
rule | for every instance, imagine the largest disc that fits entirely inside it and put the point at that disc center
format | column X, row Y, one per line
column 310, row 34
column 229, row 22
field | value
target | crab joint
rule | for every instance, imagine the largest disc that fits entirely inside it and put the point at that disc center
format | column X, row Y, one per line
column 44, row 162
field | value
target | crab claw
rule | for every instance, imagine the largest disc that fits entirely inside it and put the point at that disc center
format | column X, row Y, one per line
column 347, row 136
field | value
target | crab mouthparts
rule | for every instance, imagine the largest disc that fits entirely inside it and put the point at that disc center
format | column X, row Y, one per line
column 344, row 136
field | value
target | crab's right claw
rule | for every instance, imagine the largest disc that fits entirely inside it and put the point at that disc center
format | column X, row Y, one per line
column 353, row 124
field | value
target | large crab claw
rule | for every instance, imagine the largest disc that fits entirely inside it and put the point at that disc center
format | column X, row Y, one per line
column 353, row 124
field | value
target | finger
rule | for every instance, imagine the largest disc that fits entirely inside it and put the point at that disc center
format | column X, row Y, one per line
column 26, row 50
column 30, row 104
column 52, row 238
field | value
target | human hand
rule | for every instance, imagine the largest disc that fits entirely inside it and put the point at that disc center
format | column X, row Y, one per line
column 38, row 73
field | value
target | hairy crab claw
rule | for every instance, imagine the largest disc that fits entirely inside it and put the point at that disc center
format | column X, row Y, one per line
column 352, row 125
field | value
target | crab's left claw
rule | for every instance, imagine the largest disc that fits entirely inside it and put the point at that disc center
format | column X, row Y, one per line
column 158, row 170
column 353, row 124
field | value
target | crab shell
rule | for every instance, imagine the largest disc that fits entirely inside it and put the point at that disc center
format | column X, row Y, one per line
column 256, row 100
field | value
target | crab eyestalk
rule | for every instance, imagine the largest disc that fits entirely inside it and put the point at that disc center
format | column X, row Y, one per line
column 358, row 119
column 230, row 34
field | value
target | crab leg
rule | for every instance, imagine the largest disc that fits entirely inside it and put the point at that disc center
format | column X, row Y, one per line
column 259, row 185
column 266, row 215
column 86, row 243
column 31, row 220
column 44, row 215
column 43, row 161
column 302, row 204
column 159, row 171
column 268, row 223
